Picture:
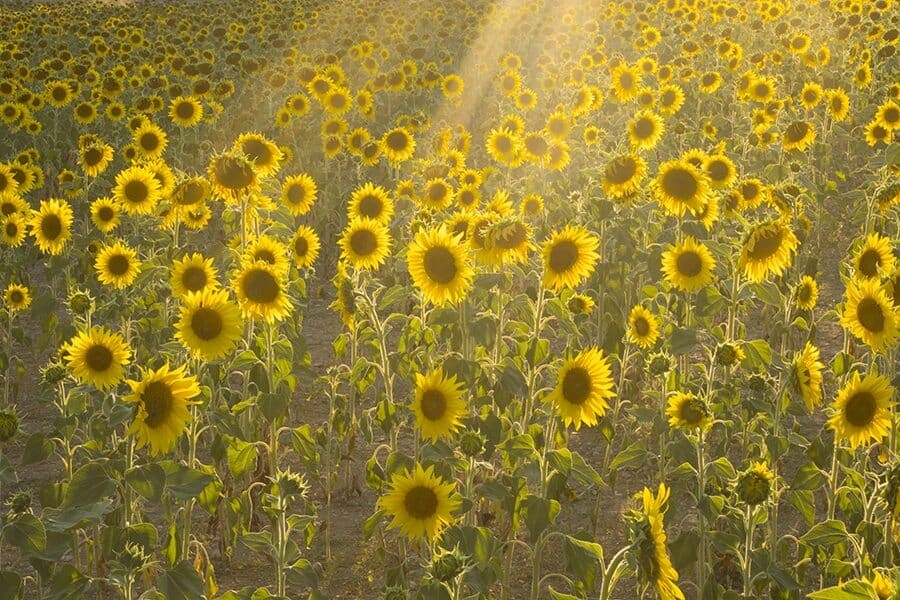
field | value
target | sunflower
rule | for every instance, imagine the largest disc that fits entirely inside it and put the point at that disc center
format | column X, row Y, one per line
column 625, row 81
column 754, row 486
column 51, row 225
column 806, row 294
column 151, row 141
column 439, row 266
column 888, row 115
column 767, row 249
column 305, row 247
column 721, row 171
column 98, row 356
column 398, row 145
column 883, row 585
column 876, row 255
column 185, row 111
column 345, row 297
column 190, row 193
column 261, row 292
column 799, row 136
column 16, row 297
column 838, row 104
column 192, row 273
column 269, row 250
column 645, row 130
column 365, row 243
column 569, row 257
column 117, row 265
column 371, row 202
column 687, row 412
column 263, row 154
column 12, row 204
column 137, row 191
column 232, row 177
column 532, row 205
column 420, row 504
column 643, row 327
column 648, row 537
column 680, row 186
column 12, row 229
column 210, row 324
column 95, row 158
column 584, row 388
column 503, row 146
column 807, row 376
column 876, row 133
column 862, row 410
column 438, row 404
column 869, row 314
column 689, row 265
column 623, row 176
column 298, row 192
column 671, row 99
column 161, row 398
column 811, row 95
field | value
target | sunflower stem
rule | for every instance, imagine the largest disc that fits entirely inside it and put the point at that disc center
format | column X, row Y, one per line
column 611, row 574
column 8, row 379
column 701, row 520
column 749, row 525
column 833, row 481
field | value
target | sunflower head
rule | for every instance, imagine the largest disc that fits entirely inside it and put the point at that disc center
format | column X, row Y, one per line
column 583, row 389
column 161, row 398
column 420, row 503
column 754, row 485
column 861, row 412
column 688, row 412
column 569, row 257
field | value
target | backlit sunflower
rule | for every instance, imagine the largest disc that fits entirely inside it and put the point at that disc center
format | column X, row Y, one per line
column 888, row 115
column 651, row 553
column 438, row 404
column 98, row 356
column 161, row 400
column 420, row 504
column 623, row 176
column 625, row 81
column 185, row 111
column 210, row 324
column 398, row 145
column 869, row 314
column 806, row 294
column 269, row 250
column 799, row 136
column 643, row 328
column 503, row 146
column 875, row 258
column 261, row 292
column 117, row 265
column 688, row 266
column 645, row 130
column 12, row 229
column 807, row 376
column 671, row 98
column 767, row 250
column 137, row 191
column 569, row 257
column 232, row 177
column 439, row 266
column 190, row 193
column 838, row 104
column 680, row 186
column 721, row 171
column 584, row 388
column 371, row 202
column 51, row 225
column 365, row 243
column 95, row 158
column 304, row 247
column 298, row 192
column 16, row 297
column 150, row 140
column 862, row 410
column 263, row 154
column 687, row 412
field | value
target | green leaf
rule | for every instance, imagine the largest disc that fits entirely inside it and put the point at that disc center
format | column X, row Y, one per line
column 70, row 518
column 853, row 590
column 26, row 532
column 7, row 473
column 805, row 503
column 539, row 513
column 632, row 456
column 809, row 477
column 561, row 596
column 241, row 456
column 758, row 355
column 37, row 448
column 147, row 480
column 827, row 533
column 90, row 484
column 10, row 586
column 68, row 584
column 684, row 549
column 184, row 483
column 683, row 340
column 181, row 583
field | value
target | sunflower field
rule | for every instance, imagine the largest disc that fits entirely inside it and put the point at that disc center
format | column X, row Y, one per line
column 458, row 299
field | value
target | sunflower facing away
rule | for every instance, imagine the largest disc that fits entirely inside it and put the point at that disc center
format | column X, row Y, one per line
column 97, row 356
column 807, row 372
column 648, row 537
column 161, row 400
column 420, row 504
column 685, row 411
column 643, row 328
column 569, row 257
column 438, row 404
column 365, row 243
column 51, row 225
column 117, row 265
column 584, row 388
column 210, row 324
column 232, row 177
column 439, row 266
column 869, row 314
column 862, row 410
column 261, row 292
column 192, row 273
column 688, row 266
column 767, row 250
